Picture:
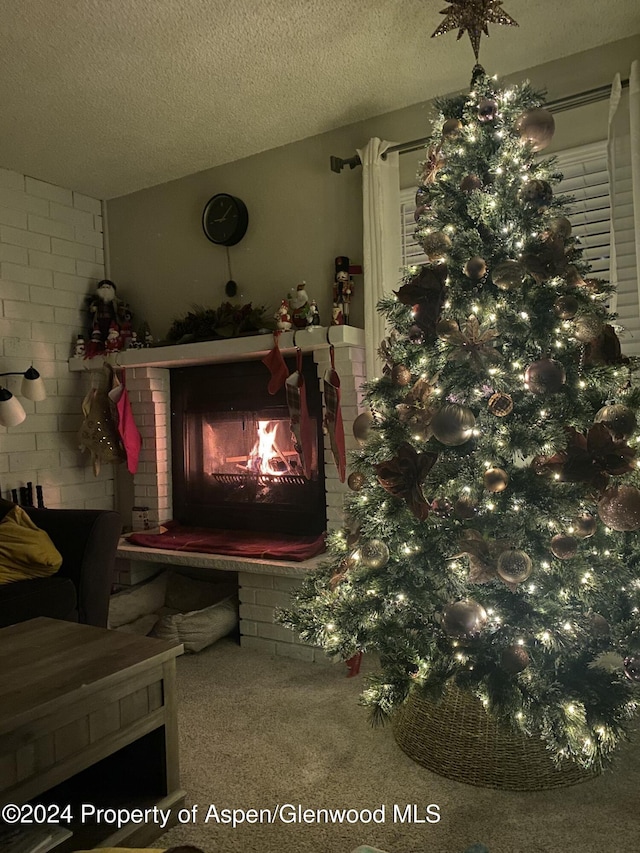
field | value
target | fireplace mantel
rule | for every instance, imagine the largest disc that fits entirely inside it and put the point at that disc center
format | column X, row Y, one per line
column 231, row 349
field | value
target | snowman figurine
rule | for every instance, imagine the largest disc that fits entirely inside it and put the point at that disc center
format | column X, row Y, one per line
column 80, row 348
column 299, row 301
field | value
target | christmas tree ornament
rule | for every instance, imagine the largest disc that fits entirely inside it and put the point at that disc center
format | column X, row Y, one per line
column 500, row 404
column 566, row 307
column 464, row 619
column 433, row 162
column 400, row 375
column 573, row 277
column 514, row 659
column 416, row 410
column 508, row 275
column 587, row 327
column 536, row 194
column 536, row 126
column 442, row 507
column 495, row 479
column 619, row 508
column 453, row 424
column 544, row 376
column 564, row 547
column 560, row 227
column 415, row 334
column 374, row 554
column 436, row 245
column 333, row 416
column 451, row 128
column 473, row 17
column 470, row 183
column 446, row 328
column 631, row 666
column 419, row 212
column 514, row 566
column 619, row 420
column 475, row 268
column 402, row 477
column 362, row 427
column 474, row 343
column 487, row 110
column 465, row 508
column 584, row 526
column 598, row 625
column 425, row 292
column 356, row 481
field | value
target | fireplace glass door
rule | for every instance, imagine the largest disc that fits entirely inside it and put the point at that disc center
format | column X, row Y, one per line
column 235, row 461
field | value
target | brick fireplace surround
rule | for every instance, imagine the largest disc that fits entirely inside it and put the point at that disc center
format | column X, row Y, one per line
column 264, row 584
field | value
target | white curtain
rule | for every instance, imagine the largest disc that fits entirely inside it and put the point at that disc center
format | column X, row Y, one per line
column 381, row 240
column 623, row 154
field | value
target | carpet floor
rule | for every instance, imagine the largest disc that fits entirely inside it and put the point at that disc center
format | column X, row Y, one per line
column 257, row 732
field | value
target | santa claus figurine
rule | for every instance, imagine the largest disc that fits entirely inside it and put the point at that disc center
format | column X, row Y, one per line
column 104, row 307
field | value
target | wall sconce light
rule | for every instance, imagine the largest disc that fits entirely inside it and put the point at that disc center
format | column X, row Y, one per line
column 32, row 388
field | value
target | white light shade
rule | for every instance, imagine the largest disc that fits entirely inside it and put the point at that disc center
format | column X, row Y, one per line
column 33, row 386
column 11, row 411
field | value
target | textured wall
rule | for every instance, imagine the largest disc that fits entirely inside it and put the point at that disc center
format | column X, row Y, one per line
column 51, row 255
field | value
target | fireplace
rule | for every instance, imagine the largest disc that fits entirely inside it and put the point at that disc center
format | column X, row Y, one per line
column 235, row 464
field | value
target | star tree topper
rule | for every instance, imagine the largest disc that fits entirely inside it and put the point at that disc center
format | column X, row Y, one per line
column 473, row 17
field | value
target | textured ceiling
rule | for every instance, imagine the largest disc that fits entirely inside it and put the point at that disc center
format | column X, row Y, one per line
column 109, row 96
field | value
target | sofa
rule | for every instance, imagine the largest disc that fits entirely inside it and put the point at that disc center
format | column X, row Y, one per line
column 79, row 591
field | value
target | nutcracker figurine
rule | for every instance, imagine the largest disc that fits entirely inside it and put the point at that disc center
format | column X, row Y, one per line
column 342, row 292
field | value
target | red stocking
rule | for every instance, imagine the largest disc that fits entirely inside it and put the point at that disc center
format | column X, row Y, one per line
column 278, row 369
column 333, row 417
column 301, row 425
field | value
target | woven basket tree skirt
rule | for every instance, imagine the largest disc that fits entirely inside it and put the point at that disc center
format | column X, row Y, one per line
column 456, row 738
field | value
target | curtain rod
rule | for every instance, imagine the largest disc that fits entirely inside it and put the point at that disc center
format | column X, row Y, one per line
column 570, row 102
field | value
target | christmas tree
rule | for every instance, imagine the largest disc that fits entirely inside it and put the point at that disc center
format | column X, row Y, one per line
column 492, row 526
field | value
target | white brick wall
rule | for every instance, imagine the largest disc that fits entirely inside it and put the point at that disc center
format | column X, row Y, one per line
column 51, row 256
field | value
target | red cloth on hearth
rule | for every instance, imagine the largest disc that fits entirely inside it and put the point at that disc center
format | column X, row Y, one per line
column 275, row 363
column 234, row 543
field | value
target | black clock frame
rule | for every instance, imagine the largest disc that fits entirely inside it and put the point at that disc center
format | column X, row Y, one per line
column 241, row 225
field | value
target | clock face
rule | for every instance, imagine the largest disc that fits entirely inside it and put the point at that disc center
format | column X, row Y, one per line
column 225, row 219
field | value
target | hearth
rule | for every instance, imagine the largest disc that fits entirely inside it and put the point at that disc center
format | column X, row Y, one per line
column 235, row 464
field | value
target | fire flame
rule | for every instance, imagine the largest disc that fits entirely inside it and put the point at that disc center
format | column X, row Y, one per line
column 265, row 457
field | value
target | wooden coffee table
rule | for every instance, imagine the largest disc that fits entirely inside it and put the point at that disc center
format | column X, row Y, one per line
column 88, row 716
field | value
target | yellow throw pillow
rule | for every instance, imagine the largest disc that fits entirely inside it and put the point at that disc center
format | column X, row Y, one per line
column 25, row 551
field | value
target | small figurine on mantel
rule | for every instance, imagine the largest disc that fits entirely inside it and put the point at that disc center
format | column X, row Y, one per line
column 283, row 317
column 80, row 348
column 342, row 292
column 314, row 313
column 301, row 311
column 113, row 342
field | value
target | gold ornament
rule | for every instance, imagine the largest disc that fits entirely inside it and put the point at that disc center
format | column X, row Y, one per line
column 446, row 328
column 495, row 480
column 560, row 227
column 473, row 17
column 536, row 194
column 451, row 128
column 537, row 127
column 584, row 526
column 453, row 424
column 619, row 420
column 470, row 183
column 465, row 508
column 374, row 554
column 587, row 327
column 356, row 481
column 599, row 625
column 500, row 404
column 545, row 376
column 464, row 618
column 362, row 426
column 400, row 375
column 508, row 274
column 619, row 508
column 566, row 307
column 514, row 566
column 514, row 659
column 436, row 245
column 475, row 268
column 487, row 110
column 564, row 547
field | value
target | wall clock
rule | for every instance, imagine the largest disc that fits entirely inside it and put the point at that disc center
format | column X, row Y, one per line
column 225, row 219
